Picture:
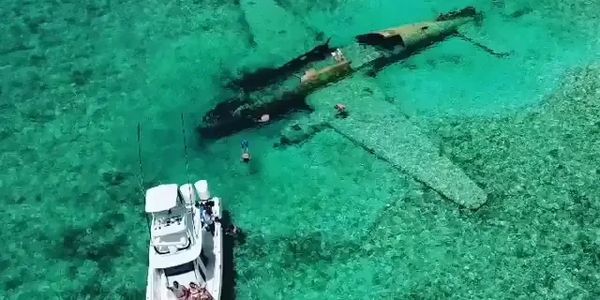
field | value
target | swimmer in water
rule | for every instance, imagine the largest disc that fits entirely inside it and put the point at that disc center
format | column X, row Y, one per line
column 341, row 110
column 245, row 152
column 264, row 118
column 245, row 157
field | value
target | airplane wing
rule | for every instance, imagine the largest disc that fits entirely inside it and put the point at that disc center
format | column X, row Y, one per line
column 380, row 128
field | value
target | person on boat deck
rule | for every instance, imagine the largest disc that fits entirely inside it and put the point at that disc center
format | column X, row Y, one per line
column 245, row 151
column 209, row 221
column 207, row 206
column 180, row 291
column 204, row 293
column 195, row 291
column 199, row 292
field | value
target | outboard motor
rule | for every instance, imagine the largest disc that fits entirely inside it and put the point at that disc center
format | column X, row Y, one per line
column 188, row 193
column 202, row 189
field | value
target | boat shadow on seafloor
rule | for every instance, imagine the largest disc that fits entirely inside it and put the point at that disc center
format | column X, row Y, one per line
column 229, row 272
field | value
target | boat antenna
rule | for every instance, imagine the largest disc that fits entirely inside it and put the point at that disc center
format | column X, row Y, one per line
column 185, row 156
column 139, row 142
column 141, row 175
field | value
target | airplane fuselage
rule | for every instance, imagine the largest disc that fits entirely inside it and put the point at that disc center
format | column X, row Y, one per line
column 279, row 91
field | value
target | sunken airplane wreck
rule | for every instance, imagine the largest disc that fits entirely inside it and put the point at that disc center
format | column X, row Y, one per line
column 279, row 91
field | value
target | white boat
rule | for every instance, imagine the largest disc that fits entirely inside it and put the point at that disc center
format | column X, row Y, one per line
column 181, row 247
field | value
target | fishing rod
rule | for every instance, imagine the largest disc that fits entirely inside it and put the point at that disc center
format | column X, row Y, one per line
column 187, row 164
column 141, row 174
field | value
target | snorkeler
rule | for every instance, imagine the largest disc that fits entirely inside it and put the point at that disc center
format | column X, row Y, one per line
column 235, row 233
column 341, row 110
column 245, row 151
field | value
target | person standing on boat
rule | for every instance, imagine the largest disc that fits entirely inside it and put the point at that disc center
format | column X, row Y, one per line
column 208, row 221
column 180, row 291
column 207, row 206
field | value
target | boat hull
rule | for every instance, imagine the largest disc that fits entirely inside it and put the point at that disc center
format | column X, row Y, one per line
column 207, row 267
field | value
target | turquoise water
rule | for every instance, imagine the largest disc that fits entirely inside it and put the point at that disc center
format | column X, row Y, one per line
column 325, row 219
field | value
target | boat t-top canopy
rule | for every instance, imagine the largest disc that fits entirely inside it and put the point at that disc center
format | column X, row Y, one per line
column 161, row 198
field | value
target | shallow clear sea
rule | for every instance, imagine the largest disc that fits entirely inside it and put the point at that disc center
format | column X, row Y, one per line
column 324, row 219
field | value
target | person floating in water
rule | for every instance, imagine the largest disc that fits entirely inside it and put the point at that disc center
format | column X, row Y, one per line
column 235, row 233
column 341, row 110
column 338, row 56
column 245, row 152
column 232, row 231
column 264, row 118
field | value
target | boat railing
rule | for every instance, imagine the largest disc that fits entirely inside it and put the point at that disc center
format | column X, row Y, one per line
column 178, row 243
column 171, row 246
